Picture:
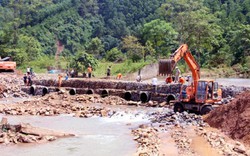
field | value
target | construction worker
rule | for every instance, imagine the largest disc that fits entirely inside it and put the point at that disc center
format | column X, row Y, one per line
column 72, row 73
column 182, row 80
column 189, row 79
column 169, row 79
column 119, row 76
column 89, row 71
column 59, row 80
column 109, row 71
column 28, row 70
column 25, row 79
column 154, row 83
column 138, row 78
column 177, row 74
column 66, row 77
column 29, row 82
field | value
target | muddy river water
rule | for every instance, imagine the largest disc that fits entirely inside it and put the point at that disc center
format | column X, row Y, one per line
column 94, row 136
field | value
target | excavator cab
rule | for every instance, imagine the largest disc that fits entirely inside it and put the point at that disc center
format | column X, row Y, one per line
column 217, row 92
column 207, row 92
column 201, row 92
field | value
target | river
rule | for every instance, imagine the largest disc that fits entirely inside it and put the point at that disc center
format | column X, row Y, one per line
column 94, row 136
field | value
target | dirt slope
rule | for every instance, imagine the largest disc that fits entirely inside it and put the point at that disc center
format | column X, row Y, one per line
column 233, row 118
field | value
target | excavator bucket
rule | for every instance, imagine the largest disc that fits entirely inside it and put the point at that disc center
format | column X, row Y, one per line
column 166, row 66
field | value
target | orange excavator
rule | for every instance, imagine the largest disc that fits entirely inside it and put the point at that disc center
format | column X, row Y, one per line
column 7, row 65
column 201, row 95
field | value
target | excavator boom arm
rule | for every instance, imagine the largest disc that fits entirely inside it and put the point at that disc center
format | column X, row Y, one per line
column 181, row 52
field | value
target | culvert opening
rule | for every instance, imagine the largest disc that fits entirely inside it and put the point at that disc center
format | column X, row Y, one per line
column 169, row 98
column 45, row 91
column 90, row 91
column 104, row 93
column 144, row 97
column 72, row 91
column 32, row 90
column 127, row 96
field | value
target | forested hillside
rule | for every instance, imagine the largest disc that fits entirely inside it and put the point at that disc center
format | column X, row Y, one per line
column 217, row 31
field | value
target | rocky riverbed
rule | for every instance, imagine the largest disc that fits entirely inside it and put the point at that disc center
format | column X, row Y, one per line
column 167, row 133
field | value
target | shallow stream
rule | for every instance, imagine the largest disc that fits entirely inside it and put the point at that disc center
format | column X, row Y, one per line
column 94, row 136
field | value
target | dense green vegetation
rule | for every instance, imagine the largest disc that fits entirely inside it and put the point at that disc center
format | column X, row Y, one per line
column 217, row 31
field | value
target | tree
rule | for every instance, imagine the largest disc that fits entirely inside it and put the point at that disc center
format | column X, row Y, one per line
column 135, row 51
column 27, row 49
column 149, row 50
column 95, row 47
column 110, row 42
column 87, row 8
column 241, row 44
column 161, row 35
column 82, row 60
column 194, row 23
column 114, row 55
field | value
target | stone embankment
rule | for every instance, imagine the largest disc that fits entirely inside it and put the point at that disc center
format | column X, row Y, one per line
column 136, row 91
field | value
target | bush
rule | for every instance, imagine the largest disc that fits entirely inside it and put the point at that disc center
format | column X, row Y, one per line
column 114, row 55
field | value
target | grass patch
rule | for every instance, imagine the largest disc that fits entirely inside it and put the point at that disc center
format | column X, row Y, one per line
column 123, row 68
column 39, row 66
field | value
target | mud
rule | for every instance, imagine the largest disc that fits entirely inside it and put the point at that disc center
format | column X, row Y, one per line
column 233, row 118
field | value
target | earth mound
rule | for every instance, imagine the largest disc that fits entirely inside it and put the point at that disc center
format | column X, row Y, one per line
column 233, row 118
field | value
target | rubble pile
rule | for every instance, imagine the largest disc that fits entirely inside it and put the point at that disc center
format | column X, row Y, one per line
column 147, row 139
column 25, row 133
column 11, row 87
column 62, row 103
column 219, row 142
column 113, row 100
column 233, row 118
column 182, row 141
column 232, row 91
column 57, row 103
column 169, row 117
column 93, row 111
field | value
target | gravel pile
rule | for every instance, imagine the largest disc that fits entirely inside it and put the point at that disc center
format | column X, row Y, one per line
column 169, row 117
column 11, row 86
column 147, row 139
